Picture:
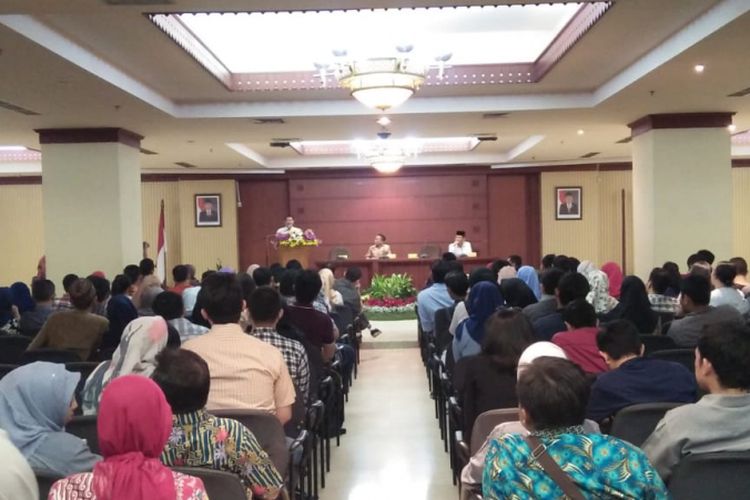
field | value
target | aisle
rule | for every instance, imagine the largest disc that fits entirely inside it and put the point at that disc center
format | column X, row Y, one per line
column 392, row 449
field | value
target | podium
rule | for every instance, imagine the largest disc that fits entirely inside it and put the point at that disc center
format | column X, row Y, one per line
column 302, row 254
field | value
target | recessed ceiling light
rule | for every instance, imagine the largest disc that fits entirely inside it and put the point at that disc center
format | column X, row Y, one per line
column 580, row 131
column 384, row 121
column 698, row 68
column 732, row 128
column 13, row 148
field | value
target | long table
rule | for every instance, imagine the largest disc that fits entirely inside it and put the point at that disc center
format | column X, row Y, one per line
column 418, row 269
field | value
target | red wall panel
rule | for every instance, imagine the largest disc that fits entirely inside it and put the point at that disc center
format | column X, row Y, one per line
column 265, row 204
column 514, row 224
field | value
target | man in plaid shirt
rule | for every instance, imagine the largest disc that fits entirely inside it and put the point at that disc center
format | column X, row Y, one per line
column 658, row 282
column 265, row 311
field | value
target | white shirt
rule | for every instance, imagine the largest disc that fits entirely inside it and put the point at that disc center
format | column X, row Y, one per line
column 728, row 296
column 285, row 229
column 460, row 251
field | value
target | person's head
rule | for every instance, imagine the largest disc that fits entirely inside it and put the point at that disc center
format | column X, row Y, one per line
column 133, row 272
column 538, row 350
column 265, row 306
column 550, row 279
column 561, row 262
column 569, row 198
column 206, row 274
column 618, row 341
column 379, row 239
column 692, row 259
column 353, row 274
column 262, row 276
column 82, row 294
column 289, row 221
column 102, row 287
column 659, row 281
column 671, row 267
column 517, row 293
column 572, row 286
column 724, row 274
column 515, row 261
column 168, row 305
column 573, row 264
column 507, row 333
column 695, row 292
column 579, row 314
column 180, row 273
column 68, row 280
column 294, row 264
column 481, row 274
column 146, row 267
column 286, row 282
column 740, row 265
column 42, row 291
column 449, row 256
column 497, row 265
column 248, row 285
column 547, row 261
column 706, row 255
column 721, row 358
column 121, row 284
column 222, row 298
column 460, row 237
column 701, row 268
column 184, row 378
column 439, row 269
column 307, row 286
column 553, row 393
column 457, row 283
column 208, row 206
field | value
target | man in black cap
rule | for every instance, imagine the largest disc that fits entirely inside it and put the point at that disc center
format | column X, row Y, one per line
column 460, row 247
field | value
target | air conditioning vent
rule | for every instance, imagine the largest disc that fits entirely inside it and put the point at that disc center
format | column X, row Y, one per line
column 492, row 116
column 148, row 152
column 282, row 142
column 625, row 140
column 740, row 93
column 269, row 121
column 185, row 164
column 591, row 154
column 17, row 109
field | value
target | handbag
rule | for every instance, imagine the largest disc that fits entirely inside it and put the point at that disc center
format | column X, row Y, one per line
column 563, row 480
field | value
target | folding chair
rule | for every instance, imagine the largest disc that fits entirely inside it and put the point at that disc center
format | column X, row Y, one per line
column 712, row 475
column 686, row 357
column 12, row 348
column 49, row 355
column 635, row 423
column 653, row 343
column 85, row 428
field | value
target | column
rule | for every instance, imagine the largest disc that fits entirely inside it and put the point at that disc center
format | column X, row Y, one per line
column 682, row 188
column 91, row 193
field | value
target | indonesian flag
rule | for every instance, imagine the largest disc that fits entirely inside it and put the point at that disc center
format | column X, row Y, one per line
column 161, row 252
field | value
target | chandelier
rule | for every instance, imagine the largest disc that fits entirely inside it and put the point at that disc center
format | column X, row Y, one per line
column 387, row 155
column 381, row 82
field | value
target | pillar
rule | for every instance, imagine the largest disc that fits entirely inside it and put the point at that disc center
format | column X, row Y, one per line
column 682, row 188
column 91, row 195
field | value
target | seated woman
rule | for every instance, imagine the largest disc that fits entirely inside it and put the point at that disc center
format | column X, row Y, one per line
column 553, row 394
column 201, row 440
column 599, row 296
column 36, row 401
column 517, row 293
column 120, row 311
column 331, row 296
column 725, row 293
column 634, row 306
column 484, row 299
column 134, row 425
column 142, row 340
column 488, row 380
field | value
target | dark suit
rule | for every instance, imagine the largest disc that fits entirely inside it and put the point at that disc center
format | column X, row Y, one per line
column 206, row 217
column 572, row 211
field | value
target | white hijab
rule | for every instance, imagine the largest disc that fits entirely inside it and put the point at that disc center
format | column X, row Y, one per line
column 538, row 350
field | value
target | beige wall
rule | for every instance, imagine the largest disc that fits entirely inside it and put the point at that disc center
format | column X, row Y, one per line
column 740, row 213
column 21, row 232
column 598, row 236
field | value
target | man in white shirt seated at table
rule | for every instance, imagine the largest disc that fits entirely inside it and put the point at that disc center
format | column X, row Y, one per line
column 460, row 247
column 380, row 250
column 288, row 226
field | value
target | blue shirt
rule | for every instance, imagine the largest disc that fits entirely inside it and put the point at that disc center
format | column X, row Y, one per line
column 640, row 380
column 547, row 326
column 429, row 301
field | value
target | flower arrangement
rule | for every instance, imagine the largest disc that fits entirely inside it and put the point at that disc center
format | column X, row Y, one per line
column 390, row 294
column 296, row 237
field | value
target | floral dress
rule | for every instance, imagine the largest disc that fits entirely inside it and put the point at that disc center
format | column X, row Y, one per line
column 80, row 486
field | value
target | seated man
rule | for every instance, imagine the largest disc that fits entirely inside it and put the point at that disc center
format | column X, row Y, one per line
column 262, row 276
column 658, row 283
column 458, row 287
column 572, row 286
column 348, row 287
column 245, row 372
column 265, row 312
column 380, row 249
column 434, row 297
column 547, row 302
column 552, row 396
column 169, row 306
column 579, row 342
column 634, row 379
column 719, row 420
column 694, row 300
column 78, row 330
column 200, row 439
column 43, row 293
column 64, row 301
column 460, row 247
column 181, row 276
column 316, row 326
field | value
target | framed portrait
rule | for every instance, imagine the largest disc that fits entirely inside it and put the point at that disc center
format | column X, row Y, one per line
column 568, row 203
column 208, row 210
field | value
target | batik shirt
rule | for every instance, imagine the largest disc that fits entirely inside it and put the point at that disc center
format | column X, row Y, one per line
column 199, row 439
column 601, row 467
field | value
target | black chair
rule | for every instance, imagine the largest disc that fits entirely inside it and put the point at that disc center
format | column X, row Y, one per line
column 12, row 348
column 429, row 252
column 635, row 423
column 49, row 355
column 6, row 369
column 218, row 484
column 685, row 357
column 45, row 481
column 85, row 428
column 268, row 431
column 653, row 343
column 84, row 368
column 712, row 475
column 486, row 423
column 443, row 318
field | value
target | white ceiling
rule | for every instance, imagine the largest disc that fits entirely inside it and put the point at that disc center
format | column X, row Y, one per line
column 91, row 64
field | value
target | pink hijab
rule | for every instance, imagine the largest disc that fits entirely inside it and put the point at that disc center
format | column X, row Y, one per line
column 134, row 424
column 614, row 273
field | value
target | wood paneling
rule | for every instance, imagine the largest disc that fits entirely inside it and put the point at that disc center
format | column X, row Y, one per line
column 265, row 204
column 514, row 224
column 152, row 193
column 740, row 213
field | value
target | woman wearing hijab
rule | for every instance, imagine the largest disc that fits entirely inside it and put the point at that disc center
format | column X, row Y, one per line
column 16, row 477
column 528, row 275
column 133, row 426
column 506, row 273
column 516, row 293
column 484, row 299
column 142, row 340
column 36, row 401
column 22, row 297
column 634, row 306
column 331, row 297
column 120, row 312
column 599, row 296
column 615, row 277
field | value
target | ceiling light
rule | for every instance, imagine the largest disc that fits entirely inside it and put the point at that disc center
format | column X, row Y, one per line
column 580, row 131
column 732, row 128
column 384, row 121
column 381, row 83
column 387, row 166
column 698, row 68
column 12, row 148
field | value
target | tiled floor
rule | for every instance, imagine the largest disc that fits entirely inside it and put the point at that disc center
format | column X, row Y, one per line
column 392, row 449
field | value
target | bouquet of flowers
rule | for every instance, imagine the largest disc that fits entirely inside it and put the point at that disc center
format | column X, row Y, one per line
column 296, row 237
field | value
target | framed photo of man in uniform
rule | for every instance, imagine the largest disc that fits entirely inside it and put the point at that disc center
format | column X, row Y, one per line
column 208, row 210
column 568, row 203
